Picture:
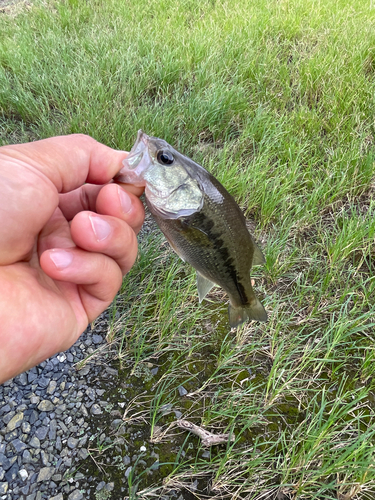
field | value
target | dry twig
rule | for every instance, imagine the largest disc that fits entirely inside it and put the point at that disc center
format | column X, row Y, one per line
column 208, row 438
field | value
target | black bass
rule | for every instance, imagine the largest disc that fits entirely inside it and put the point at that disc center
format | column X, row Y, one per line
column 201, row 221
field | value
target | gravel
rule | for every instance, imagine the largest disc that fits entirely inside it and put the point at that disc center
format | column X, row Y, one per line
column 47, row 417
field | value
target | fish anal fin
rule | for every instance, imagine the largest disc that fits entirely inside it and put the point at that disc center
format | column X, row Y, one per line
column 254, row 311
column 204, row 286
column 258, row 257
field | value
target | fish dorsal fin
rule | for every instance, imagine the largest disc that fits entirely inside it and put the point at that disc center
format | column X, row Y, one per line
column 258, row 257
column 204, row 286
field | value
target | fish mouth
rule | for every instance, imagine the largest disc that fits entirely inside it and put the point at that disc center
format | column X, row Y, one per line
column 136, row 163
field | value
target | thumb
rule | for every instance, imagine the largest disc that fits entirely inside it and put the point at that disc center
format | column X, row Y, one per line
column 33, row 174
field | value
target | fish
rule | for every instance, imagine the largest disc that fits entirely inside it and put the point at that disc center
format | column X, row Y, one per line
column 201, row 221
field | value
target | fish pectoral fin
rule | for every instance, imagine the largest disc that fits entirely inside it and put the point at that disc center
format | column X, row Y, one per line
column 254, row 311
column 195, row 234
column 204, row 286
column 258, row 257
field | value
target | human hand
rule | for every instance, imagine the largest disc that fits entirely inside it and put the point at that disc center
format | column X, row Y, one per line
column 64, row 244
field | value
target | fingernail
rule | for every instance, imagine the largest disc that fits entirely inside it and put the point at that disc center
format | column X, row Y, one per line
column 125, row 201
column 100, row 227
column 61, row 258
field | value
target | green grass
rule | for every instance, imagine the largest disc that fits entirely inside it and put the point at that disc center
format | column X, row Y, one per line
column 276, row 98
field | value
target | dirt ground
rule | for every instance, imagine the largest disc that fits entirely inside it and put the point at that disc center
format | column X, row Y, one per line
column 6, row 4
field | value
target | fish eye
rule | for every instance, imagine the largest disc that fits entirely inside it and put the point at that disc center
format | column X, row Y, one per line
column 165, row 157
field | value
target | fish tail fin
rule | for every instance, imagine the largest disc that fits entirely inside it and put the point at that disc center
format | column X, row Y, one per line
column 254, row 311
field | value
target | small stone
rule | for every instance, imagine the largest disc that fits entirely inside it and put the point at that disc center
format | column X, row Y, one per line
column 85, row 370
column 57, row 497
column 15, row 422
column 8, row 416
column 23, row 474
column 26, row 427
column 84, row 411
column 83, row 453
column 6, row 463
column 45, row 474
column 11, row 435
column 31, row 496
column 100, row 486
column 3, row 488
column 58, row 443
column 51, row 387
column 91, row 393
column 11, row 474
column 115, row 424
column 83, row 441
column 26, row 457
column 43, row 381
column 42, row 416
column 166, row 408
column 46, row 405
column 143, row 449
column 34, row 400
column 96, row 410
column 34, row 442
column 61, row 357
column 21, row 379
column 5, row 409
column 45, row 458
column 52, row 430
column 25, row 489
column 97, row 339
column 18, row 445
column 41, row 432
column 72, row 442
column 33, row 417
column 182, row 391
column 155, row 465
column 126, row 460
column 128, row 471
column 31, row 377
column 111, row 371
column 109, row 486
